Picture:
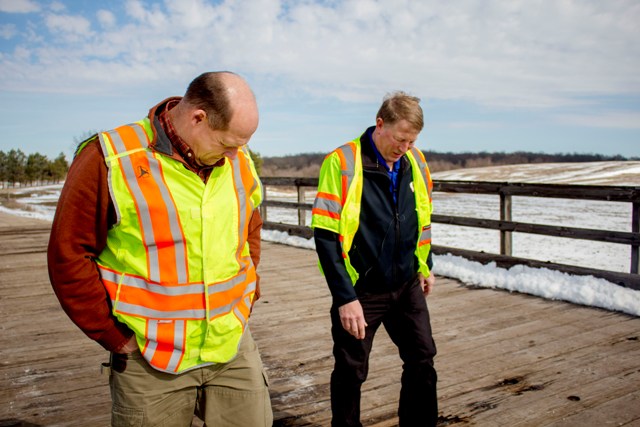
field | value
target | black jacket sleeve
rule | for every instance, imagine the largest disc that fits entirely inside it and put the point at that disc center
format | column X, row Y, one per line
column 335, row 271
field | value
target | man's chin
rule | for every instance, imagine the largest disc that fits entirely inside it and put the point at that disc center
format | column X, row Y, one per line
column 208, row 162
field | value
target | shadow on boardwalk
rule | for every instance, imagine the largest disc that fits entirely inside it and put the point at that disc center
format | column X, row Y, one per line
column 504, row 359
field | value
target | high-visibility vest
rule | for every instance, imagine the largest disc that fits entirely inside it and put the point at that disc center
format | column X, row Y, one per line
column 176, row 265
column 338, row 201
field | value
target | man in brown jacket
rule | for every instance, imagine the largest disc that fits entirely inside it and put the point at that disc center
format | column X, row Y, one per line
column 194, row 155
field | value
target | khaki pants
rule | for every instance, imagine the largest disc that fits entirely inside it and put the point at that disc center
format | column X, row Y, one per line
column 230, row 394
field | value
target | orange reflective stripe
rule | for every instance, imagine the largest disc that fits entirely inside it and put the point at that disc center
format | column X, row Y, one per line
column 133, row 295
column 144, row 298
column 225, row 296
column 243, row 310
column 165, row 344
column 344, row 178
column 328, row 196
column 326, row 213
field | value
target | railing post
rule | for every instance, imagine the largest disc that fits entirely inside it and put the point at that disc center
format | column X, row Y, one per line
column 506, row 238
column 635, row 228
column 302, row 214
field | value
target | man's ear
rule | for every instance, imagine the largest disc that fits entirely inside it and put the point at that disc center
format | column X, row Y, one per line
column 198, row 116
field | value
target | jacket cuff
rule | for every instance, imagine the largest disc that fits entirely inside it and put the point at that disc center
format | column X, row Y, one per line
column 339, row 302
column 115, row 338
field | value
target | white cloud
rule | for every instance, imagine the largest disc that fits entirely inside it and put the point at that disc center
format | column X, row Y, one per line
column 518, row 54
column 22, row 53
column 616, row 120
column 70, row 28
column 19, row 6
column 106, row 18
column 57, row 6
column 7, row 31
column 148, row 15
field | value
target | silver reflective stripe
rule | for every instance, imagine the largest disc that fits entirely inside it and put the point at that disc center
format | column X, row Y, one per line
column 225, row 309
column 423, row 167
column 349, row 168
column 242, row 204
column 136, row 310
column 426, row 234
column 174, row 222
column 327, row 205
column 140, row 283
column 152, row 343
column 239, row 315
column 178, row 342
column 105, row 153
column 143, row 208
column 225, row 286
column 172, row 291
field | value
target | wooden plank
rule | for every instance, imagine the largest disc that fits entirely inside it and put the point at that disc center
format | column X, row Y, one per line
column 563, row 191
column 504, row 226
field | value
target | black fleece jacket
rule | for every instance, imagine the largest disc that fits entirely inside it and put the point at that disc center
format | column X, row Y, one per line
column 383, row 250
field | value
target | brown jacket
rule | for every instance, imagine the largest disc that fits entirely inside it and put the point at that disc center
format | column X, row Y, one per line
column 84, row 214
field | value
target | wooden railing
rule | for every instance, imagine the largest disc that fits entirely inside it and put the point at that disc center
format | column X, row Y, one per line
column 505, row 225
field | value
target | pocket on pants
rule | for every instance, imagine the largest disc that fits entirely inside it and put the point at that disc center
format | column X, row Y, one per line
column 126, row 417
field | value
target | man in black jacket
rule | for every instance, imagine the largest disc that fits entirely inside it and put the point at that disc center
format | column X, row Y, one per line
column 379, row 274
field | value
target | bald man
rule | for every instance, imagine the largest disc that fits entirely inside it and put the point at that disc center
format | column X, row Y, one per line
column 153, row 254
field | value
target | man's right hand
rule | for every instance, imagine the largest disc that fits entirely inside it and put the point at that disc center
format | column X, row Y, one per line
column 352, row 318
column 129, row 347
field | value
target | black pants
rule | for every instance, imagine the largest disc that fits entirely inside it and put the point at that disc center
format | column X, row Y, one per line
column 405, row 316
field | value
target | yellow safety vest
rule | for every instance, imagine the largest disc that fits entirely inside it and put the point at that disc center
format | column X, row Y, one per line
column 338, row 201
column 176, row 265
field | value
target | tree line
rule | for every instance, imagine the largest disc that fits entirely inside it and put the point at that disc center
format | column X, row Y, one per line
column 20, row 169
column 308, row 164
column 17, row 168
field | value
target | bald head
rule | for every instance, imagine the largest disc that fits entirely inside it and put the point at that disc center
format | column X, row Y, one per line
column 221, row 95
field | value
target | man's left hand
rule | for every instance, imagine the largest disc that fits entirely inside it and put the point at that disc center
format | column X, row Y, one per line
column 427, row 283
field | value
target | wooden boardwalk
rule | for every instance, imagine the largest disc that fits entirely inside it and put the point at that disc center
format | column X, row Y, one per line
column 505, row 359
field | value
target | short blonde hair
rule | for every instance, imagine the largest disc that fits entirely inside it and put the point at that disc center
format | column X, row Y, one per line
column 398, row 106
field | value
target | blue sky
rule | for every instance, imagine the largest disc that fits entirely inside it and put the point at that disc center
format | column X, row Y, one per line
column 553, row 76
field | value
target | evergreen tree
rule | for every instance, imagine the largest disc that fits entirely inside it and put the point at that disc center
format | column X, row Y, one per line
column 36, row 167
column 59, row 168
column 15, row 166
column 3, row 169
